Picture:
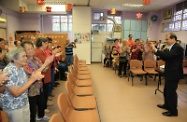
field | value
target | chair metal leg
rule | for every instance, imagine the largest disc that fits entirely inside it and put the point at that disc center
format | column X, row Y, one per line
column 146, row 79
column 132, row 80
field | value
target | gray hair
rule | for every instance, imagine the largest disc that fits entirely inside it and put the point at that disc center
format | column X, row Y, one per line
column 13, row 54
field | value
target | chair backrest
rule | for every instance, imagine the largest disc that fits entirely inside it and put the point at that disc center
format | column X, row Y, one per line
column 63, row 105
column 184, row 63
column 68, row 86
column 149, row 64
column 135, row 64
column 56, row 118
column 160, row 63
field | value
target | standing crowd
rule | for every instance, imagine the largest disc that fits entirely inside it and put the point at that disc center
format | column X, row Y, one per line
column 28, row 74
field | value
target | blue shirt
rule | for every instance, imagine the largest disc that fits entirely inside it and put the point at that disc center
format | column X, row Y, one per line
column 16, row 78
column 69, row 49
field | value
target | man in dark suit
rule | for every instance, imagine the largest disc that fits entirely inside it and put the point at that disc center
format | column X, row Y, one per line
column 173, row 58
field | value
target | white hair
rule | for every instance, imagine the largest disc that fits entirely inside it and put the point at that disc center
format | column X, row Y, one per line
column 13, row 54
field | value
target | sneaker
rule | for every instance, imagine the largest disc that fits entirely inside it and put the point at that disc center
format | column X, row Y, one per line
column 46, row 118
column 47, row 111
column 43, row 118
column 50, row 98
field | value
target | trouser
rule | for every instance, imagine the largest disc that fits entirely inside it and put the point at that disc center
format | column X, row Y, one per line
column 36, row 101
column 45, row 91
column 170, row 95
column 62, row 69
column 19, row 115
column 51, row 84
column 69, row 60
column 122, row 65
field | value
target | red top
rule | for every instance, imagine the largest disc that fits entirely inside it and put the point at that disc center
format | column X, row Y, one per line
column 134, row 55
column 42, row 56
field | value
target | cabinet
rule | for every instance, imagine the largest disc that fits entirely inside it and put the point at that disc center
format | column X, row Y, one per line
column 138, row 28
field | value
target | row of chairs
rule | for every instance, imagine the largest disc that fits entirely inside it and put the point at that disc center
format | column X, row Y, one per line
column 147, row 67
column 79, row 104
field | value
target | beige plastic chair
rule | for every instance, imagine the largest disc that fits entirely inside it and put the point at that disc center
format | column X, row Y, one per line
column 71, row 115
column 150, row 67
column 80, row 76
column 81, row 63
column 56, row 118
column 79, row 91
column 81, row 72
column 81, row 83
column 80, row 103
column 136, row 69
column 185, row 67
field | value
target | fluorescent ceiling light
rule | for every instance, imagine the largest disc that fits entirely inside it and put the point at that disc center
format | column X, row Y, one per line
column 57, row 7
column 132, row 5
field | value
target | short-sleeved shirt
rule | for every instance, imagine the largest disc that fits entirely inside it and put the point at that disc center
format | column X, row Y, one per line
column 69, row 49
column 31, row 66
column 130, row 43
column 16, row 77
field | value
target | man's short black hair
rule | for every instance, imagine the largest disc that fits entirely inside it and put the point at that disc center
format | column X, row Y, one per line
column 173, row 36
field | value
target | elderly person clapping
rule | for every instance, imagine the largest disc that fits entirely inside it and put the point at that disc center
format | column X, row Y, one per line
column 15, row 99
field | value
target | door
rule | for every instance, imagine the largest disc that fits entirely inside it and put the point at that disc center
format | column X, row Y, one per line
column 97, row 48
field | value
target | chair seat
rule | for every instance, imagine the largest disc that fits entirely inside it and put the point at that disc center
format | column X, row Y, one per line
column 83, row 116
column 185, row 70
column 83, row 69
column 83, row 83
column 150, row 71
column 83, row 91
column 138, row 71
column 83, row 72
column 83, row 76
column 81, row 103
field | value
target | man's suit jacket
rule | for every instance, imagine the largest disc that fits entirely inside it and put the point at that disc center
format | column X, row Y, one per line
column 173, row 62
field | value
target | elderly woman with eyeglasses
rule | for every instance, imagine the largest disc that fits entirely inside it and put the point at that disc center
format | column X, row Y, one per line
column 15, row 98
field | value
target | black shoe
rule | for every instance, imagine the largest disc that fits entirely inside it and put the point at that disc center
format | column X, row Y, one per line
column 163, row 107
column 169, row 114
column 55, row 85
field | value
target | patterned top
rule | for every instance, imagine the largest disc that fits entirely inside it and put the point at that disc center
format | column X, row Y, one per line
column 16, row 78
column 32, row 65
column 69, row 49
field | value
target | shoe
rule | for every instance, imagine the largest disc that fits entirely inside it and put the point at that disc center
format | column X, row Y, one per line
column 55, row 85
column 162, row 106
column 50, row 98
column 169, row 114
column 51, row 95
column 49, row 103
column 47, row 111
column 43, row 118
column 120, row 76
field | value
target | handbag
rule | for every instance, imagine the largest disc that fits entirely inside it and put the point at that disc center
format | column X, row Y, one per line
column 122, row 59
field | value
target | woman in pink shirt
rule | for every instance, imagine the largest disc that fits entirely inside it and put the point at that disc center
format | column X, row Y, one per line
column 116, row 44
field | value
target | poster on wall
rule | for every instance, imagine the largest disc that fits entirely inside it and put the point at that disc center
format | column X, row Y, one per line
column 80, row 38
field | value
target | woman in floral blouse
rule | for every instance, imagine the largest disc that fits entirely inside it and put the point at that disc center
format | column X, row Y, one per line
column 35, row 92
column 15, row 98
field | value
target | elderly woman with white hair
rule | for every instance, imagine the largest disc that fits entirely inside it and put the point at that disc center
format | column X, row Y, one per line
column 14, row 99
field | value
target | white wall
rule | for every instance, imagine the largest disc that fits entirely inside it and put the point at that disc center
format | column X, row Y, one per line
column 82, row 24
column 152, row 30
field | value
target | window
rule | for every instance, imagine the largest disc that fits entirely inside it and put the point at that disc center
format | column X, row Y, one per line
column 98, row 15
column 56, row 23
column 184, row 25
column 61, row 23
column 110, row 23
column 101, row 27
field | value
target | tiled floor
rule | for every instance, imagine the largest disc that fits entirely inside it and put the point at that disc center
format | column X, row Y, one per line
column 119, row 101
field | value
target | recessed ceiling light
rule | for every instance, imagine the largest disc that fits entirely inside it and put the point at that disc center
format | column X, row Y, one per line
column 132, row 5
